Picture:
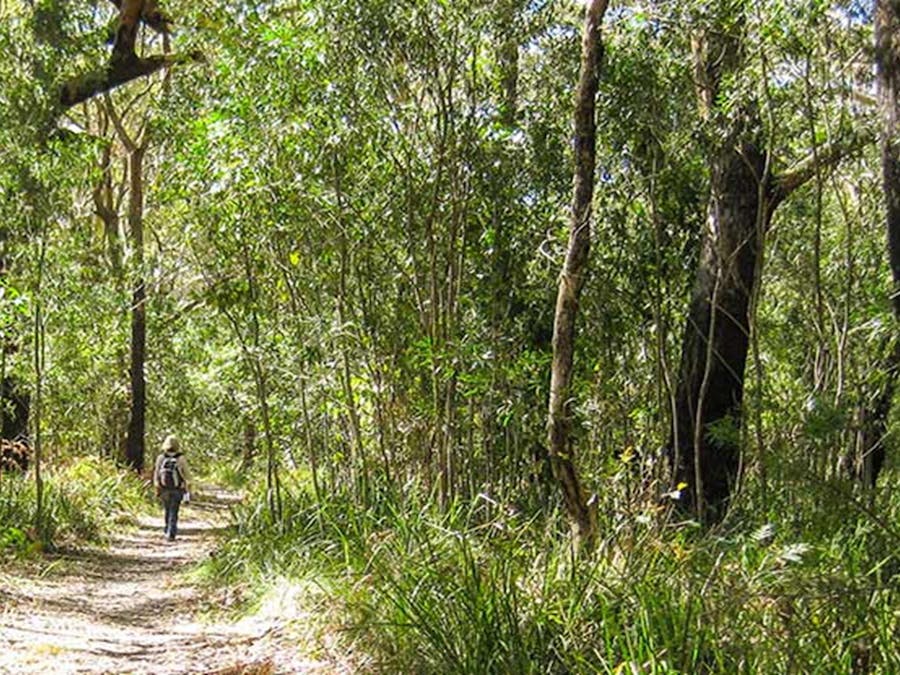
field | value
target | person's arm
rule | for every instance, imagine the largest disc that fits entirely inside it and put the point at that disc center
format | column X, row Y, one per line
column 156, row 474
column 185, row 474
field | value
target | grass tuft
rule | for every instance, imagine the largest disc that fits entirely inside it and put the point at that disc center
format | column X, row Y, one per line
column 83, row 501
column 483, row 590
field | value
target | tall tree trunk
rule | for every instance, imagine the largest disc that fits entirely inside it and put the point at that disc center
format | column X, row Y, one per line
column 508, row 60
column 359, row 463
column 134, row 446
column 39, row 385
column 887, row 57
column 705, row 448
column 704, row 445
column 887, row 62
column 502, row 212
column 571, row 280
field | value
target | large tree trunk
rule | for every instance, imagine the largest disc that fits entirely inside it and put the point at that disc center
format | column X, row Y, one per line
column 571, row 281
column 887, row 58
column 704, row 447
column 134, row 447
column 868, row 464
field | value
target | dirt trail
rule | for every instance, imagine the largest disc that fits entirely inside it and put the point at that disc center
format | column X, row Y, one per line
column 130, row 608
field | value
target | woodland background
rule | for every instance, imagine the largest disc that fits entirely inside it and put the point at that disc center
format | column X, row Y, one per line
column 322, row 243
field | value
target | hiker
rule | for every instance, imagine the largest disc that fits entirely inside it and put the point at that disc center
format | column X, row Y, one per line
column 170, row 476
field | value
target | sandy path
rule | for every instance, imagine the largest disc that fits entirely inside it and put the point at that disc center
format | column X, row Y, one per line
column 130, row 608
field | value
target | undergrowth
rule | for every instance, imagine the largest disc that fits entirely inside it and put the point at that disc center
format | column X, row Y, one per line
column 485, row 589
column 82, row 501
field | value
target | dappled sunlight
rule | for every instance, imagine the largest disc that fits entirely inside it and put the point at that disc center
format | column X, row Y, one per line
column 132, row 608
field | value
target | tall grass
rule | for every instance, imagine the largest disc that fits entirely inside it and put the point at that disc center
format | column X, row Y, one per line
column 483, row 590
column 83, row 501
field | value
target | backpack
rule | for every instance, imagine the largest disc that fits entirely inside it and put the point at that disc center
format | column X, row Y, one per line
column 169, row 475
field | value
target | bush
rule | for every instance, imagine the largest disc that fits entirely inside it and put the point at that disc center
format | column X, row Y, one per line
column 82, row 500
column 481, row 590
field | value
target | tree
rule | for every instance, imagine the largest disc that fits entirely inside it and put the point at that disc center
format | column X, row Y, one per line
column 744, row 192
column 124, row 64
column 571, row 281
column 136, row 149
column 887, row 62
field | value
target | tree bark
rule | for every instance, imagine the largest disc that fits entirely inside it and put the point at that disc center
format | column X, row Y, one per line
column 248, row 447
column 508, row 60
column 704, row 445
column 887, row 59
column 124, row 65
column 81, row 88
column 887, row 66
column 571, row 280
column 126, row 32
column 134, row 446
column 151, row 15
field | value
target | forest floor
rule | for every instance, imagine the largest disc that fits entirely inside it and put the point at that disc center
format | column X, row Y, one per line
column 135, row 607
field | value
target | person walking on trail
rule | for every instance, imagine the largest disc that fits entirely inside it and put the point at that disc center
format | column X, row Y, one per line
column 170, row 477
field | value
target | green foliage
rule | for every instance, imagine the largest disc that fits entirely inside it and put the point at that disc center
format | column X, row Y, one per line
column 352, row 246
column 83, row 501
column 482, row 589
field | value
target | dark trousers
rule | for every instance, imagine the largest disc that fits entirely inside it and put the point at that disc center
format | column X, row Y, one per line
column 171, row 499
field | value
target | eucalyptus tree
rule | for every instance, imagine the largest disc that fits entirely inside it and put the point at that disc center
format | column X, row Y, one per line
column 571, row 281
column 887, row 61
column 746, row 187
column 124, row 65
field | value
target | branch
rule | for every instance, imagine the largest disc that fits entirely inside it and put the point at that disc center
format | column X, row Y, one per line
column 152, row 16
column 123, row 135
column 117, row 73
column 127, row 31
column 827, row 157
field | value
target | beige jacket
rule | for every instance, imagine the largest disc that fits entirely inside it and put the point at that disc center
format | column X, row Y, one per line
column 182, row 470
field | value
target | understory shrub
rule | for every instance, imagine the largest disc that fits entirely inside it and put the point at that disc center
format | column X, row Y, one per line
column 82, row 501
column 483, row 589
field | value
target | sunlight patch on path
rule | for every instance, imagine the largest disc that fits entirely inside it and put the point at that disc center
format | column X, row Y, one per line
column 129, row 609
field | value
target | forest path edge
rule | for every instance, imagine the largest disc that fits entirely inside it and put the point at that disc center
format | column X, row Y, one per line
column 133, row 607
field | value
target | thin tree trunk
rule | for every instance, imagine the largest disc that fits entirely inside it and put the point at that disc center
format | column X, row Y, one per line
column 508, row 60
column 39, row 386
column 254, row 357
column 248, row 447
column 134, row 447
column 561, row 447
column 136, row 148
column 507, row 56
column 359, row 464
column 310, row 445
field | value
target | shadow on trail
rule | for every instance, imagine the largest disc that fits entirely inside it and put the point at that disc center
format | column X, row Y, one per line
column 140, row 611
column 199, row 531
column 141, row 549
column 110, row 564
column 131, row 607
